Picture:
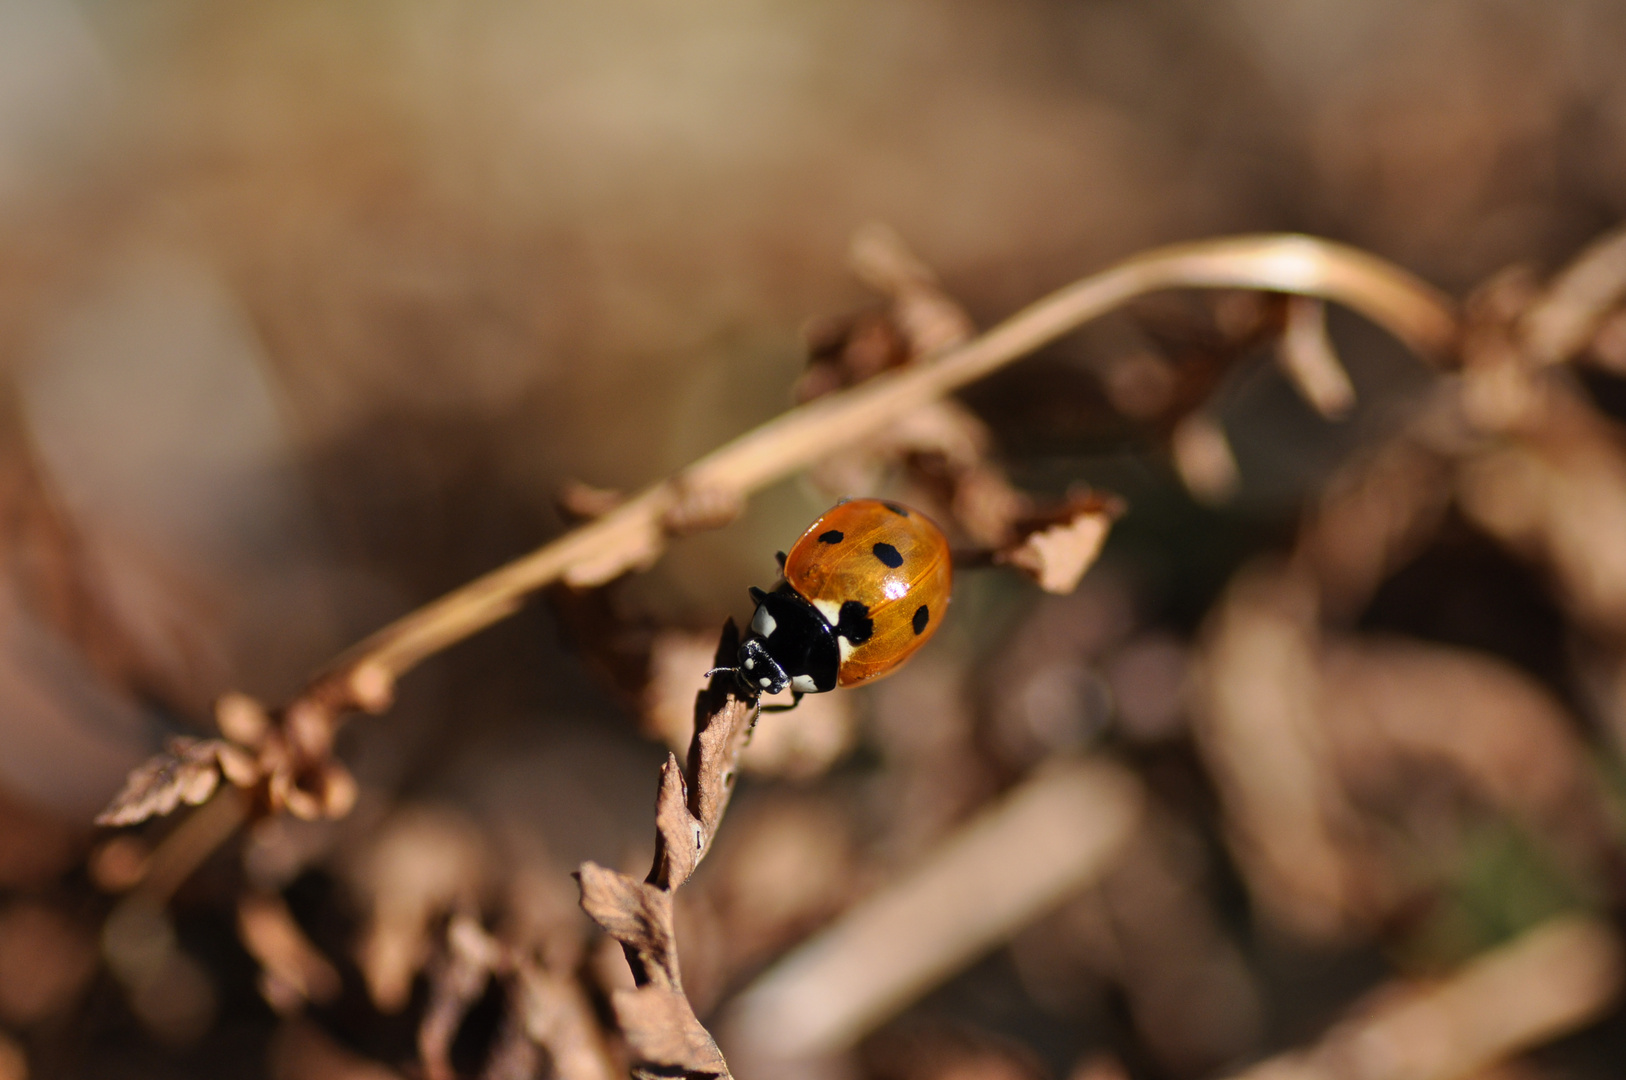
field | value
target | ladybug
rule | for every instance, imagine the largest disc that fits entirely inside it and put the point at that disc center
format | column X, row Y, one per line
column 865, row 586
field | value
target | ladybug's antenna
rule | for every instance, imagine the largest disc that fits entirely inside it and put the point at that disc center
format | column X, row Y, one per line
column 738, row 682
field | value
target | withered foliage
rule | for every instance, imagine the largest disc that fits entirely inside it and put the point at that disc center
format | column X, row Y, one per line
column 389, row 383
column 660, row 1027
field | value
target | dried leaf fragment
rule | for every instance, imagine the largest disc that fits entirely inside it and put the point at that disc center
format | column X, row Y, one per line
column 677, row 833
column 662, row 1030
column 188, row 772
column 1056, row 554
column 637, row 914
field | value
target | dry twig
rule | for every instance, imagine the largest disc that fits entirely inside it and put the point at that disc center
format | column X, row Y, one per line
column 293, row 758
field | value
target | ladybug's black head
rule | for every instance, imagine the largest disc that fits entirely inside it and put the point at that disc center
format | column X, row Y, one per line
column 789, row 644
column 758, row 671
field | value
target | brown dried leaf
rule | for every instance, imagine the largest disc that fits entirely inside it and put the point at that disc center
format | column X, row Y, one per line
column 1056, row 552
column 1393, row 707
column 638, row 915
column 662, row 1031
column 718, row 742
column 723, row 722
column 1257, row 718
column 1558, row 494
column 189, row 772
column 930, row 319
column 678, row 837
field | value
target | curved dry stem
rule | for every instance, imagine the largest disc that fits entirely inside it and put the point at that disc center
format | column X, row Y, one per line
column 633, row 534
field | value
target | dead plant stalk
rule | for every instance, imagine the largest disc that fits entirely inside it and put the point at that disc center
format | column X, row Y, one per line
column 631, row 535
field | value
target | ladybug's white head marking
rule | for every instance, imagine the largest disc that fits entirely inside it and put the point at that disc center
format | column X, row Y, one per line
column 763, row 622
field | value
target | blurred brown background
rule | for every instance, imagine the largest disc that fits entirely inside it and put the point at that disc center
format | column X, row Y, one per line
column 308, row 312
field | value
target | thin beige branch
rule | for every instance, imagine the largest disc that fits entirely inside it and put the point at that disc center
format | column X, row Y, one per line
column 633, row 534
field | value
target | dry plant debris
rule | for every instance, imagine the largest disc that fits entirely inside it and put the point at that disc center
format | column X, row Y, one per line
column 1552, row 980
column 1303, row 727
column 656, row 1019
column 292, row 750
column 1052, row 835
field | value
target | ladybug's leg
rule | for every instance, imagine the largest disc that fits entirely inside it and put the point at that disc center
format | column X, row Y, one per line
column 779, row 557
column 795, row 700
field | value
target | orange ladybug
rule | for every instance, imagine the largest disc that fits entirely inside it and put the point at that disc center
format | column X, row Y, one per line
column 865, row 586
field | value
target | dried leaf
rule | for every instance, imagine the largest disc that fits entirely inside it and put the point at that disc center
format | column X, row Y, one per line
column 929, row 318
column 723, row 723
column 678, row 837
column 663, row 1031
column 1257, row 718
column 1373, row 517
column 189, row 772
column 638, row 915
column 1056, row 554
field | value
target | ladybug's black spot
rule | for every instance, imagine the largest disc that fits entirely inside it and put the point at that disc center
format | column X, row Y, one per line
column 853, row 622
column 834, row 536
column 888, row 554
column 923, row 616
column 896, row 509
